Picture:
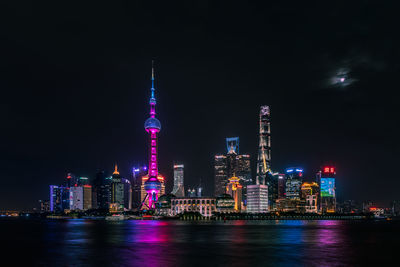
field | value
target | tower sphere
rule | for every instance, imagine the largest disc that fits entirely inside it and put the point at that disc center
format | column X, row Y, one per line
column 152, row 123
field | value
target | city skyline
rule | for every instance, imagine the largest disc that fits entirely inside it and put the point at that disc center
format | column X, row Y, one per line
column 75, row 97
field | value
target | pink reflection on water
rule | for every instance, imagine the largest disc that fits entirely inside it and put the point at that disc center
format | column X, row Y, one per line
column 151, row 231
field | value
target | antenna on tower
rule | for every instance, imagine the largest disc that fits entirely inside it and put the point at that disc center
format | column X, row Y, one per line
column 152, row 73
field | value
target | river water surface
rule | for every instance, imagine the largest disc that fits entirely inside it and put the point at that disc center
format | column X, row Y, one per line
column 179, row 243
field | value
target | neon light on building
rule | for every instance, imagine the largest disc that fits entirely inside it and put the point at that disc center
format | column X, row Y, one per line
column 153, row 183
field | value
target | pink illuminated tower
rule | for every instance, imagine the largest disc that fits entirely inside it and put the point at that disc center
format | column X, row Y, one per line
column 153, row 182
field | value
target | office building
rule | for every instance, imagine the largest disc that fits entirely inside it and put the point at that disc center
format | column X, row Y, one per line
column 87, row 197
column 191, row 192
column 232, row 164
column 281, row 185
column 56, row 199
column 257, row 198
column 294, row 179
column 328, row 189
column 136, row 183
column 310, row 194
column 234, row 189
column 117, row 190
column 102, row 190
column 264, row 148
column 44, row 206
column 127, row 193
column 178, row 189
column 76, row 198
column 220, row 175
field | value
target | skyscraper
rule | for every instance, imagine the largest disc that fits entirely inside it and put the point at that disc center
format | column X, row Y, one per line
column 117, row 189
column 294, row 179
column 220, row 175
column 229, row 165
column 328, row 189
column 281, row 185
column 101, row 191
column 56, row 198
column 153, row 184
column 264, row 148
column 257, row 198
column 127, row 193
column 87, row 197
column 309, row 195
column 178, row 189
column 234, row 188
column 232, row 144
column 76, row 198
column 136, row 183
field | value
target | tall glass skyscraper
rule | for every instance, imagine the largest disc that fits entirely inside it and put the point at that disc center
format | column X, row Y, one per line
column 220, row 174
column 264, row 147
column 117, row 189
column 294, row 179
column 178, row 189
column 231, row 164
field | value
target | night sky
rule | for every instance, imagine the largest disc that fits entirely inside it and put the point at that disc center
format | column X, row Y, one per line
column 75, row 83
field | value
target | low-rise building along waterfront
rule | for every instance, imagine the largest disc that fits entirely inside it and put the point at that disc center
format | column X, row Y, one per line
column 206, row 206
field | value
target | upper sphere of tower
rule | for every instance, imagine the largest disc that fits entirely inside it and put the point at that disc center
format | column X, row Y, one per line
column 152, row 123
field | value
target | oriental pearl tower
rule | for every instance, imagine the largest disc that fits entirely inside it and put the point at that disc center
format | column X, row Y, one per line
column 153, row 183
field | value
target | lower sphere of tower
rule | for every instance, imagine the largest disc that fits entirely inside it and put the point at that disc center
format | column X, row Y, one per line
column 152, row 185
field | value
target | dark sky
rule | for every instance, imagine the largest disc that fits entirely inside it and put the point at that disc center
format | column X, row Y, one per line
column 75, row 82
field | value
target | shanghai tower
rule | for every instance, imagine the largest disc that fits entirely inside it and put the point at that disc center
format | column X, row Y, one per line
column 264, row 148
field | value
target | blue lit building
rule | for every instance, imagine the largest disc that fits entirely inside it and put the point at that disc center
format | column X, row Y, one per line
column 294, row 179
column 59, row 198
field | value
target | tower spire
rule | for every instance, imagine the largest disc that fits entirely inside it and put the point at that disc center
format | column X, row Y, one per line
column 152, row 98
column 152, row 76
column 116, row 169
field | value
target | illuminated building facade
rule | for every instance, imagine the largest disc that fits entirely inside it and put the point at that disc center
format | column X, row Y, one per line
column 163, row 205
column 264, row 148
column 257, row 198
column 102, row 190
column 70, row 180
column 191, row 192
column 206, row 206
column 310, row 194
column 178, row 189
column 234, row 188
column 56, row 198
column 44, row 205
column 87, row 197
column 82, row 181
column 290, row 205
column 153, row 184
column 136, row 183
column 127, row 193
column 220, row 175
column 225, row 203
column 294, row 179
column 117, row 190
column 328, row 189
column 76, row 198
column 232, row 164
column 281, row 185
column 272, row 183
